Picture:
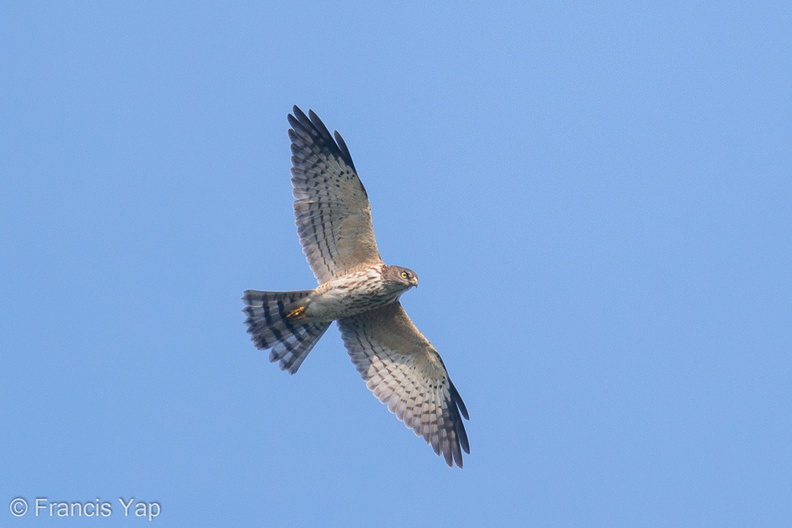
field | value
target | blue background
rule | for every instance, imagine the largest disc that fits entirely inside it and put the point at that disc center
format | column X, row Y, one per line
column 596, row 197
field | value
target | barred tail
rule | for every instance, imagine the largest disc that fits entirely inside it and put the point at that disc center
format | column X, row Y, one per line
column 270, row 327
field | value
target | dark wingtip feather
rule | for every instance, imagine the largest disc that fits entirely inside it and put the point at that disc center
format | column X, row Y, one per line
column 457, row 399
column 314, row 126
column 345, row 151
column 299, row 115
column 459, row 426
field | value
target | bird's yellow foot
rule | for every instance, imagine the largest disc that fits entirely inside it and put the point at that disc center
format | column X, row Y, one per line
column 297, row 313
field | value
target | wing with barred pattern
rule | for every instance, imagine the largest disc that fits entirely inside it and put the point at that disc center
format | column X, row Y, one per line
column 331, row 204
column 405, row 372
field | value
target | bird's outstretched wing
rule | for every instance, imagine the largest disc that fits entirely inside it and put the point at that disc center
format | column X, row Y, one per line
column 331, row 204
column 406, row 373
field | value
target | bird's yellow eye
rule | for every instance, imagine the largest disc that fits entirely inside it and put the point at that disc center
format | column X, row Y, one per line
column 404, row 274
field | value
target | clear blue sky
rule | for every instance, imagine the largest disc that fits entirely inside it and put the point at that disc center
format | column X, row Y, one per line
column 596, row 196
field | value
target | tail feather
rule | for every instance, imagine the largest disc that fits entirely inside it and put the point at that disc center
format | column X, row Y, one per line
column 269, row 327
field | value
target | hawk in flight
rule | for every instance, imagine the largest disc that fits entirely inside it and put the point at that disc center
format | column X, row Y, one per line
column 359, row 291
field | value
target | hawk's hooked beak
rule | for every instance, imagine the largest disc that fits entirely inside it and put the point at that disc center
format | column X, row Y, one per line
column 414, row 281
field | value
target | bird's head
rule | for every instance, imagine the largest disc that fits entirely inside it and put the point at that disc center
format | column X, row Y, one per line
column 401, row 276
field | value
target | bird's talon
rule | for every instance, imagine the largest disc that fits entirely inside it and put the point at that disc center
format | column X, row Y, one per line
column 297, row 313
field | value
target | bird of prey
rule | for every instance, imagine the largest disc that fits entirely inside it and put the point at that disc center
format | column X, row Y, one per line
column 358, row 291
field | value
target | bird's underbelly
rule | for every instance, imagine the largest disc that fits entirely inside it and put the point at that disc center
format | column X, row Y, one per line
column 342, row 298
